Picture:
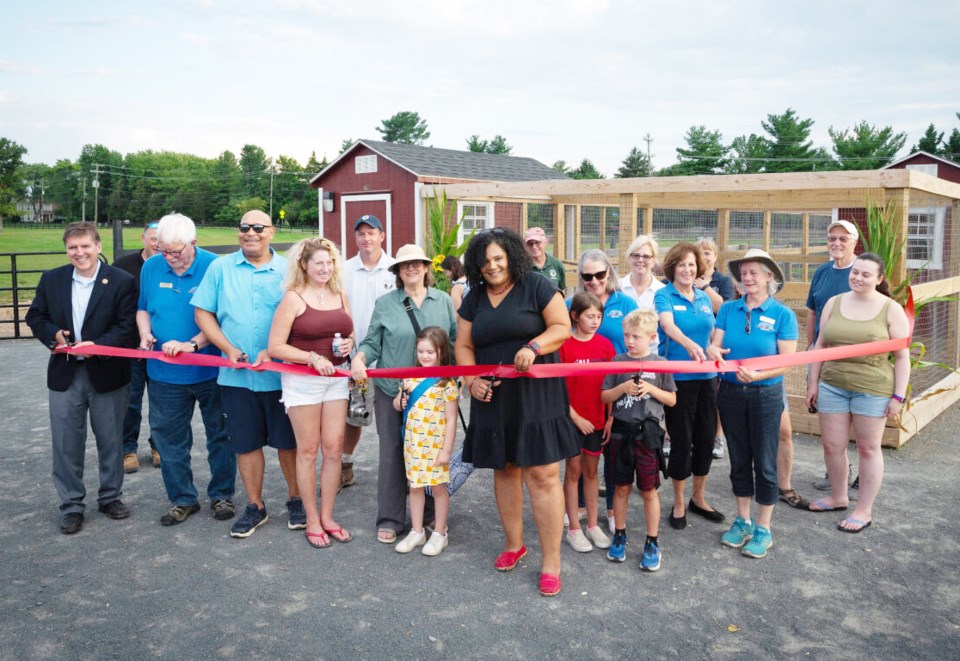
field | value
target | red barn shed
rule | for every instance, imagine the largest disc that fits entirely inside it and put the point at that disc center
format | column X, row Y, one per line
column 385, row 179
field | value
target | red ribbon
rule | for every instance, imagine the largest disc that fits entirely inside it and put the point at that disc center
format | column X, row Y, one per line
column 535, row 371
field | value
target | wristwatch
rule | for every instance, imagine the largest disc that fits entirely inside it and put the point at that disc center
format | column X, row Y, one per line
column 193, row 343
column 533, row 346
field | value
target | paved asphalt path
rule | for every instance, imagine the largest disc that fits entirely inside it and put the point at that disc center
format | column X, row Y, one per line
column 132, row 589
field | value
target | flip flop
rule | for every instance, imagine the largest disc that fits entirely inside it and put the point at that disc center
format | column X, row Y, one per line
column 339, row 535
column 386, row 536
column 821, row 505
column 318, row 540
column 857, row 522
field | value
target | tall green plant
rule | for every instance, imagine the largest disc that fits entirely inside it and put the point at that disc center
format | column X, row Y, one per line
column 444, row 230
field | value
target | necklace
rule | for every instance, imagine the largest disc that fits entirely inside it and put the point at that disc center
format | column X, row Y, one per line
column 502, row 290
column 319, row 291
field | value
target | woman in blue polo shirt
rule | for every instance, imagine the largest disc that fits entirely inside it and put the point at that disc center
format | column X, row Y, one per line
column 751, row 401
column 686, row 324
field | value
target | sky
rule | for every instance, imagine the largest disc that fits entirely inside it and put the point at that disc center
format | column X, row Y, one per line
column 560, row 79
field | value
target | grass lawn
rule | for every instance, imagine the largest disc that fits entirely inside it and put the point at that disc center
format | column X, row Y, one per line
column 31, row 240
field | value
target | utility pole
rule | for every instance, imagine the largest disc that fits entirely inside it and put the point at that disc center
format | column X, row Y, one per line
column 96, row 192
column 84, row 201
column 272, row 170
column 648, row 140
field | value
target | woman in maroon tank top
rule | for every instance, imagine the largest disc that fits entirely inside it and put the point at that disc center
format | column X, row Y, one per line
column 312, row 312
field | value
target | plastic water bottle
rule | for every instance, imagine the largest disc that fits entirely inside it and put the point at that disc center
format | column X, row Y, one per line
column 337, row 341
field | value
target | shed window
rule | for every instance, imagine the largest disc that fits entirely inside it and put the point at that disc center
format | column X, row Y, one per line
column 925, row 238
column 365, row 164
column 474, row 216
column 926, row 168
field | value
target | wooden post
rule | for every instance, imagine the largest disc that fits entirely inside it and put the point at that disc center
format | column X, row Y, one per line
column 523, row 217
column 902, row 198
column 628, row 223
column 805, row 246
column 648, row 220
column 767, row 216
column 723, row 229
column 559, row 231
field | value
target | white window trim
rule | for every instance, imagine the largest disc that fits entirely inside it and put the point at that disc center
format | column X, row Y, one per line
column 491, row 221
column 936, row 258
column 365, row 164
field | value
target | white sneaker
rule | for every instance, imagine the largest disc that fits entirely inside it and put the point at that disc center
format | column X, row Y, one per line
column 437, row 542
column 718, row 447
column 596, row 536
column 578, row 542
column 411, row 541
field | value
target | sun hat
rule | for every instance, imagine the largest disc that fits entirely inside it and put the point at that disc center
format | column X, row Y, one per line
column 409, row 253
column 757, row 255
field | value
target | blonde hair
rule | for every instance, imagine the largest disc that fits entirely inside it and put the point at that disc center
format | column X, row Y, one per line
column 299, row 256
column 645, row 321
column 644, row 240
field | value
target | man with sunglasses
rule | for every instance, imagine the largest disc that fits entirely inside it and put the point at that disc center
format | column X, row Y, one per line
column 234, row 309
column 829, row 280
column 165, row 320
column 535, row 241
column 132, row 263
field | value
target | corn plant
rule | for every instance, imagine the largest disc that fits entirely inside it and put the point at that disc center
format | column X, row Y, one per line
column 444, row 230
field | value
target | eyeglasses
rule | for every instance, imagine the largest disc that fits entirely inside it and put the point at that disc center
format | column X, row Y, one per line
column 533, row 242
column 258, row 228
column 636, row 257
column 842, row 239
column 599, row 275
column 173, row 253
column 410, row 265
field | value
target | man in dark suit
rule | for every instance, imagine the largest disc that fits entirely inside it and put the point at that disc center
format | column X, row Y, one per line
column 86, row 302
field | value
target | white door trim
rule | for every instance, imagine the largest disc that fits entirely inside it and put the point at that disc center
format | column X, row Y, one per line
column 376, row 197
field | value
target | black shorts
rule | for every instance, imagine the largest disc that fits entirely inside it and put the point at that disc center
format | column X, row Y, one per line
column 256, row 419
column 592, row 443
column 645, row 465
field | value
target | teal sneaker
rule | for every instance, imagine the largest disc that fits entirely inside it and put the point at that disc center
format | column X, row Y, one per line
column 759, row 543
column 738, row 535
column 651, row 557
column 618, row 548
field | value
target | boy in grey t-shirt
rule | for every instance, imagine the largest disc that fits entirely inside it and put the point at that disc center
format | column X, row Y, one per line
column 637, row 409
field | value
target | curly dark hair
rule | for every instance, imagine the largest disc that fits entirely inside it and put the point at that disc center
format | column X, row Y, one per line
column 518, row 261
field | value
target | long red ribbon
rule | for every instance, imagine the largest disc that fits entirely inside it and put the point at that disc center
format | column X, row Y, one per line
column 535, row 371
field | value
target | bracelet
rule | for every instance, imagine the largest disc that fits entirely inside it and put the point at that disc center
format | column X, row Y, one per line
column 312, row 358
column 897, row 397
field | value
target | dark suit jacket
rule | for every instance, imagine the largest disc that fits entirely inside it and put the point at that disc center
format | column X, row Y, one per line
column 110, row 320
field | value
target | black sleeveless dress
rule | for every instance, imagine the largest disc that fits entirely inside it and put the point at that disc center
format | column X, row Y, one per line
column 527, row 423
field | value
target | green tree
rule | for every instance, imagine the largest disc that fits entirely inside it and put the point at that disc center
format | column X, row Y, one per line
column 31, row 185
column 475, row 144
column 561, row 166
column 345, row 145
column 498, row 145
column 255, row 166
column 931, row 142
column 97, row 162
column 636, row 164
column 747, row 155
column 405, row 127
column 864, row 147
column 789, row 148
column 11, row 157
column 586, row 170
column 705, row 153
column 951, row 148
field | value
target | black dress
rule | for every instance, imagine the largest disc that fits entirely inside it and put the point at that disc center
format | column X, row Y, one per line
column 527, row 423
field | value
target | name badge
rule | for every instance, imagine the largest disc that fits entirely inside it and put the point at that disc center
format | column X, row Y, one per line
column 766, row 320
column 166, row 285
column 680, row 308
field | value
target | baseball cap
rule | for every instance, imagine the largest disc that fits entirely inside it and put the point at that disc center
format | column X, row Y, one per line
column 535, row 234
column 372, row 221
column 845, row 224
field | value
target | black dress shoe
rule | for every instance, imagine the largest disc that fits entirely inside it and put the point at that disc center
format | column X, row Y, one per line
column 678, row 522
column 71, row 523
column 709, row 515
column 115, row 509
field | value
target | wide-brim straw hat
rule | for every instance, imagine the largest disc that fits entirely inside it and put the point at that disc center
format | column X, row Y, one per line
column 409, row 253
column 757, row 255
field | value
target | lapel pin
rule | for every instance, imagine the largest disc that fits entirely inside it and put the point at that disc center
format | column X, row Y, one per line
column 104, row 281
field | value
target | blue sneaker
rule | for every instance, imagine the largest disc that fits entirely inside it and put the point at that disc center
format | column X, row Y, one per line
column 296, row 515
column 253, row 517
column 738, row 535
column 618, row 548
column 651, row 556
column 761, row 541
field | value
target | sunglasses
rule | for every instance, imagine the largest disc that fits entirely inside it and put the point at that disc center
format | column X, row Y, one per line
column 746, row 329
column 599, row 275
column 258, row 228
column 153, row 226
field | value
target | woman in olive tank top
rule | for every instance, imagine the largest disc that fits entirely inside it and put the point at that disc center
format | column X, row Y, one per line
column 864, row 391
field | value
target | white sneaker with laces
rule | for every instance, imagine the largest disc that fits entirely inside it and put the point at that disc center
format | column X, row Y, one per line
column 436, row 543
column 411, row 541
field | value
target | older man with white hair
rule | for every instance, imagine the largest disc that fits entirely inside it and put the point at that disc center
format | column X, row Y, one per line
column 165, row 319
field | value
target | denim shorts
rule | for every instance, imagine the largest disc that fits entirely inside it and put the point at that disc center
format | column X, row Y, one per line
column 831, row 399
column 304, row 390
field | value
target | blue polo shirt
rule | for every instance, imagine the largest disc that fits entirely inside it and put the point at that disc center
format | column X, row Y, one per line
column 165, row 296
column 618, row 306
column 243, row 297
column 827, row 282
column 770, row 321
column 695, row 320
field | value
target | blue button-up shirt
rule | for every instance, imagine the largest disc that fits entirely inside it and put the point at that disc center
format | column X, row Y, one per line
column 243, row 297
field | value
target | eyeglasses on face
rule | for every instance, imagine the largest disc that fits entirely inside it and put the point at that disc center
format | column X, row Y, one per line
column 172, row 253
column 599, row 275
column 636, row 257
column 258, row 228
column 410, row 265
column 843, row 238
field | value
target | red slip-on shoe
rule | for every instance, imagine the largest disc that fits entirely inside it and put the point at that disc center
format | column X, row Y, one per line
column 508, row 560
column 550, row 585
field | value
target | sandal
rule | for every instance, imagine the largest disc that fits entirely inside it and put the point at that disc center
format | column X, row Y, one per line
column 793, row 499
column 318, row 540
column 339, row 534
column 861, row 525
column 386, row 536
column 822, row 505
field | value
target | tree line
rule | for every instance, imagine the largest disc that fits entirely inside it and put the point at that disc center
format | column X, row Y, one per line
column 145, row 185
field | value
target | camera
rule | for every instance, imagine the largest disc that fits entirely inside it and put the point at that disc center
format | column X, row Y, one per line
column 358, row 401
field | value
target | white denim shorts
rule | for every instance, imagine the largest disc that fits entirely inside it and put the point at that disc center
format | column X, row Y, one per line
column 300, row 390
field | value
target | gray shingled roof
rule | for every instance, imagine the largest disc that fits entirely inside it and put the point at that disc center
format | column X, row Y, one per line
column 456, row 164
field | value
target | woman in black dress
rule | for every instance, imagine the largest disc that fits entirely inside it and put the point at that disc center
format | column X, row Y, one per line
column 518, row 427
